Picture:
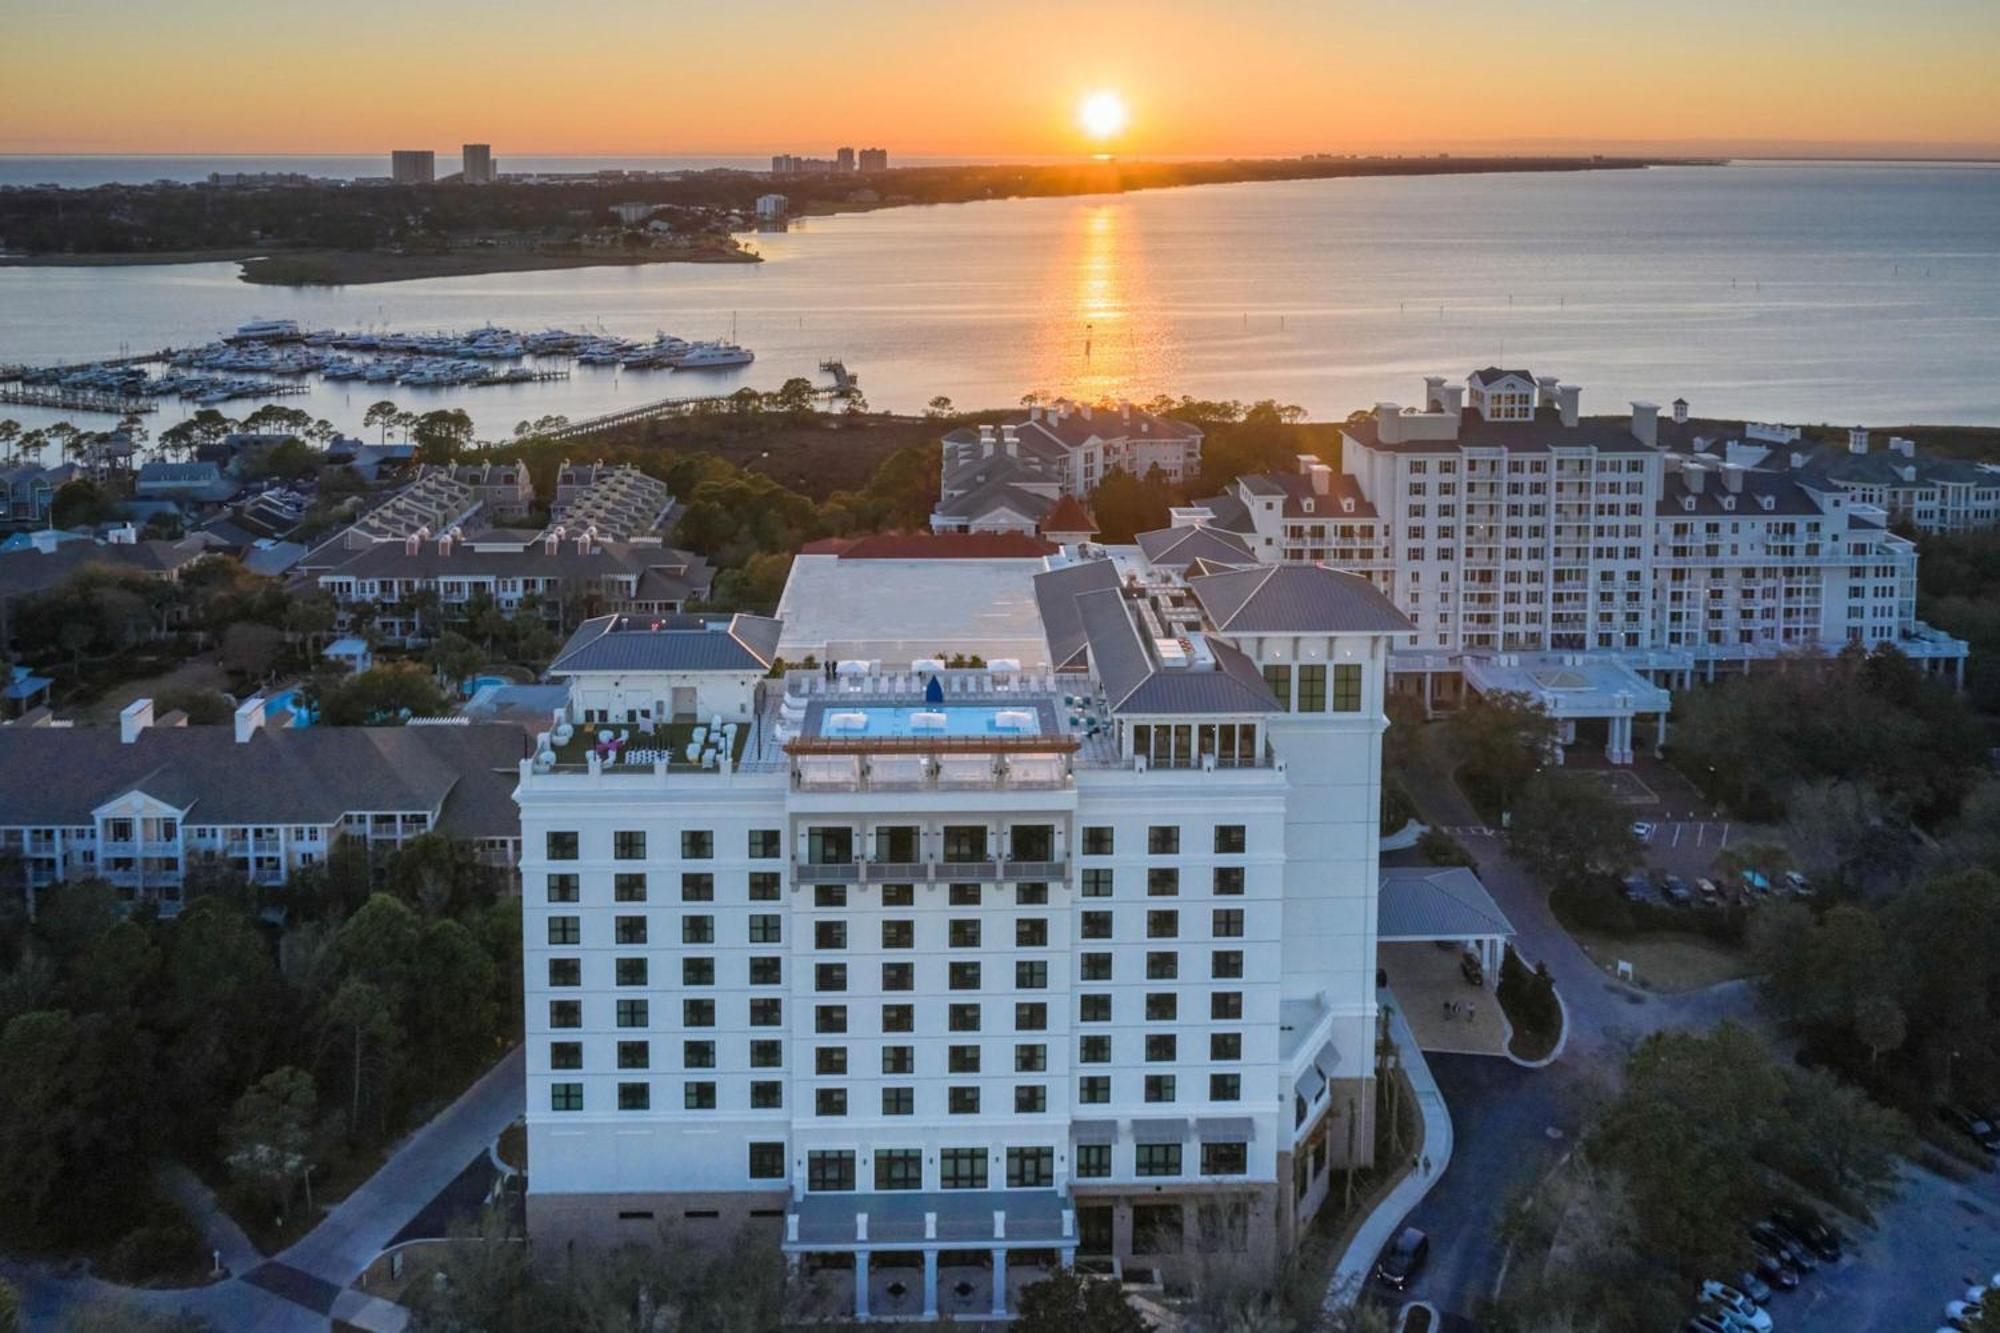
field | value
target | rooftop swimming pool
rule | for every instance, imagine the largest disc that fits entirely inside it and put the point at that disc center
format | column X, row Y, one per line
column 886, row 720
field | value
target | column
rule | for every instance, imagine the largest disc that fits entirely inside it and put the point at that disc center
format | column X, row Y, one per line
column 930, row 1284
column 1660, row 737
column 1427, row 693
column 861, row 1284
column 999, row 1284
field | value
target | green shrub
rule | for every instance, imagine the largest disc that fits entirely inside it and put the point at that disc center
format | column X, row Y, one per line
column 1441, row 849
column 162, row 1246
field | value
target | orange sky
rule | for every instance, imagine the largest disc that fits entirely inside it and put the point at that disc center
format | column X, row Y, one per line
column 945, row 77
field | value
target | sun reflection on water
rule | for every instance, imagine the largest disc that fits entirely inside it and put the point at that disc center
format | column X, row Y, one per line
column 1094, row 338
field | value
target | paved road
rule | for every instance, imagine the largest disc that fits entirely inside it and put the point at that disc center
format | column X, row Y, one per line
column 297, row 1291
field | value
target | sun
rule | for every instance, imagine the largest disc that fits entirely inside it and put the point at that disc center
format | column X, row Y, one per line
column 1103, row 115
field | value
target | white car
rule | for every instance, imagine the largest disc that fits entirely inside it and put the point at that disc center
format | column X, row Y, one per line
column 1958, row 1315
column 1642, row 830
column 1735, row 1309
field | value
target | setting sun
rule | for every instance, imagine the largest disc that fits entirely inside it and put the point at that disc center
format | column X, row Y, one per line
column 1102, row 115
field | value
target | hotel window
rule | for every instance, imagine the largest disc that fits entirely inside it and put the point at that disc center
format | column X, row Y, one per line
column 1226, row 1006
column 1031, row 895
column 639, row 1054
column 1161, row 1047
column 1031, row 1168
column 830, row 1170
column 829, row 934
column 1229, row 839
column 963, row 1018
column 1225, row 1159
column 766, row 929
column 628, row 888
column 698, row 888
column 1311, row 689
column 1279, row 678
column 829, row 845
column 1163, row 966
column 562, row 846
column 1093, row 1049
column 830, row 1101
column 698, row 1096
column 964, row 933
column 697, row 845
column 1031, row 933
column 1093, row 1009
column 763, row 886
column 1097, row 840
column 1156, row 1159
column 767, row 971
column 629, row 929
column 767, row 1095
column 1095, row 967
column 699, row 930
column 767, row 1161
column 628, row 845
column 630, row 971
column 565, row 930
column 830, row 977
column 962, row 1169
column 899, row 1018
column 1096, row 884
column 766, row 1054
column 964, row 976
column 830, row 895
column 1093, row 1161
column 565, row 1055
column 961, row 1101
column 698, row 1013
column 1031, row 1016
column 565, row 972
column 634, row 1013
column 1163, row 881
column 899, row 895
column 765, row 844
column 1228, row 923
column 962, row 1059
column 964, row 895
column 566, row 1096
column 1163, row 840
column 830, row 1061
column 1093, row 1090
column 899, row 934
column 1159, row 1087
column 899, row 976
column 1031, row 975
column 563, row 888
column 899, row 1059
column 1165, row 925
column 829, row 1018
column 697, row 971
column 1031, row 1058
column 899, row 1101
column 1347, row 687
column 1225, row 1087
column 964, row 842
column 1229, row 881
column 1032, row 842
column 1226, row 964
column 899, row 1168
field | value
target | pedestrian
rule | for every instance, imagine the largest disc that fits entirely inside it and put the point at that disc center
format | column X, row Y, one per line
column 1427, row 1166
column 1447, row 1011
column 1472, row 1013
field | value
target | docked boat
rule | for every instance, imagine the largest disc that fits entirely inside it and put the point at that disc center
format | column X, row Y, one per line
column 711, row 356
column 266, row 331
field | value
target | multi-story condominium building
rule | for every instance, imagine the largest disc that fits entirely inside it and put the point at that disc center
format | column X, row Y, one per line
column 413, row 166
column 1003, row 478
column 28, row 489
column 617, row 503
column 1589, row 562
column 434, row 502
column 946, row 976
column 504, row 489
column 478, row 165
column 563, row 578
column 143, row 805
column 1930, row 494
column 874, row 159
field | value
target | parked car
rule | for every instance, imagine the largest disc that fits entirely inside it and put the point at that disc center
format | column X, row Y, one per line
column 1805, row 1227
column 1676, row 891
column 1959, row 1315
column 1756, row 882
column 1471, row 968
column 1643, row 830
column 1404, row 1259
column 1728, row 1301
column 1965, row 1122
column 1798, row 884
column 1707, row 1323
column 1635, row 889
column 1778, row 1243
column 1754, row 1287
column 1775, row 1272
column 1709, row 893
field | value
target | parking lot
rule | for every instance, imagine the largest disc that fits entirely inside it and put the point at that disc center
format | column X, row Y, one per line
column 1928, row 1245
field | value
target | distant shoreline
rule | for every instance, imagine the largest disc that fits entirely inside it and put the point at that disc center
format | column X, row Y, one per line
column 361, row 268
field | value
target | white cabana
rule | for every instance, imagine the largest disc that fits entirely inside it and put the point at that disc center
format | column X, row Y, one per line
column 1005, row 664
column 846, row 720
column 1014, row 719
column 928, row 721
column 852, row 666
column 927, row 664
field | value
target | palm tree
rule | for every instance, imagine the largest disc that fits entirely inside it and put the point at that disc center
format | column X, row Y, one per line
column 10, row 431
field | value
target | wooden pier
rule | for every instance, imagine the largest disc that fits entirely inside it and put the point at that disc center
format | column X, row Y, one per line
column 845, row 383
column 73, row 400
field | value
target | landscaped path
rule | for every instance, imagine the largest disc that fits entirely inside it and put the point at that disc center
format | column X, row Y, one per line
column 302, row 1289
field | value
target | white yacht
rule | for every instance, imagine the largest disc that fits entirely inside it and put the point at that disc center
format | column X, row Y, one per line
column 709, row 356
column 266, row 331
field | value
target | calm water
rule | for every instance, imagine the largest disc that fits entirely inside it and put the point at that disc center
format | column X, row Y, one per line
column 1849, row 293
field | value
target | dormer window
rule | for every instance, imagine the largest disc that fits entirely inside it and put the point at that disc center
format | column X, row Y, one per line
column 1767, row 501
column 1308, row 506
column 1729, row 502
column 1687, row 503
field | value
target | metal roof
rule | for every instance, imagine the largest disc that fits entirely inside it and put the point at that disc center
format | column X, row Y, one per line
column 1184, row 545
column 1291, row 599
column 1437, row 903
column 669, row 643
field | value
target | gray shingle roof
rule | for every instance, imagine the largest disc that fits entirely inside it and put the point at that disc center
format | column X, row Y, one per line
column 1432, row 903
column 1055, row 597
column 1309, row 599
column 681, row 643
column 1611, row 435
column 313, row 775
column 1182, row 546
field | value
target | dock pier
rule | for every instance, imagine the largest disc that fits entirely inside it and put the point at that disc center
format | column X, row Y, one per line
column 74, row 400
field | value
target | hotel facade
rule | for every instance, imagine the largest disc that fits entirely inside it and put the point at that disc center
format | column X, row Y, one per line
column 947, row 976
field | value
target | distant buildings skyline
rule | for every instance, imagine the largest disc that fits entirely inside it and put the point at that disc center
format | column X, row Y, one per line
column 845, row 161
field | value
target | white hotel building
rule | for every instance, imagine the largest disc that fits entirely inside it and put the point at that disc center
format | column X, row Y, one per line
column 1590, row 562
column 1071, row 957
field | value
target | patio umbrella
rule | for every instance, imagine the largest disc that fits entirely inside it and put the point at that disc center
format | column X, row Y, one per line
column 933, row 691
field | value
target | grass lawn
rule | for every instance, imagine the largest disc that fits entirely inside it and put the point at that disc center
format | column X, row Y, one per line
column 1666, row 961
column 673, row 738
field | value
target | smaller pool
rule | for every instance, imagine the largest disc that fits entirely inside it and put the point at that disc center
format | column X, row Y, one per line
column 840, row 720
column 285, row 699
column 478, row 683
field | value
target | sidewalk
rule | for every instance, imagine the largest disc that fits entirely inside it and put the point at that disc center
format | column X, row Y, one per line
column 218, row 1229
column 1351, row 1274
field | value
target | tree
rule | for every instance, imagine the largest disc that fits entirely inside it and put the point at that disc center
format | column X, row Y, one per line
column 795, row 397
column 251, row 649
column 1570, row 830
column 267, row 1143
column 939, row 408
column 382, row 414
column 1067, row 1301
column 365, row 1023
column 10, row 1295
column 454, row 658
column 1879, row 1025
column 80, row 504
column 441, row 434
column 1497, row 741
